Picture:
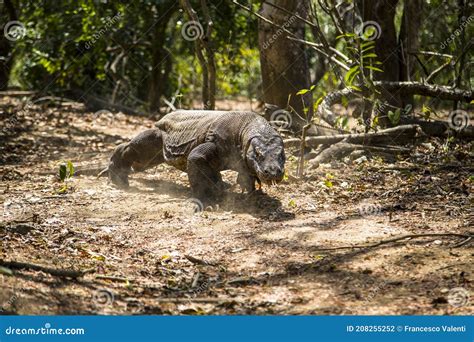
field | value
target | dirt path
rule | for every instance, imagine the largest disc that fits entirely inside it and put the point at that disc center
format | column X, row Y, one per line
column 253, row 255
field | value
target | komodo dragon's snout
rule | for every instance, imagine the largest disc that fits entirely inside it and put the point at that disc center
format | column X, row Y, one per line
column 267, row 159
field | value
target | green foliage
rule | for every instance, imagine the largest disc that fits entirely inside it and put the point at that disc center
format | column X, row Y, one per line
column 66, row 171
column 394, row 116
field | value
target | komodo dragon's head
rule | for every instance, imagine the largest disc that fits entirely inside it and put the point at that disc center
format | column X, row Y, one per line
column 117, row 170
column 266, row 157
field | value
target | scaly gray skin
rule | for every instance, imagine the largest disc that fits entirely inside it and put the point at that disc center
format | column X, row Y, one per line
column 203, row 143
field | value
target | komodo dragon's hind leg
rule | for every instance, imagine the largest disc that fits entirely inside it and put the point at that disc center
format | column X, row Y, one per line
column 141, row 153
column 203, row 173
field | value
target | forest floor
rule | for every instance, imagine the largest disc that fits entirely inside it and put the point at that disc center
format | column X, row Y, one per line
column 261, row 254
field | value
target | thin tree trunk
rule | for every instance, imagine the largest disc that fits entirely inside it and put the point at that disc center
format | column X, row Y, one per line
column 409, row 41
column 160, row 56
column 283, row 62
column 207, row 42
column 202, row 44
column 386, row 47
column 7, row 13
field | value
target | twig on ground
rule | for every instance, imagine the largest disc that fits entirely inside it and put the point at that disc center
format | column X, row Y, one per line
column 52, row 271
column 199, row 261
column 399, row 238
column 113, row 278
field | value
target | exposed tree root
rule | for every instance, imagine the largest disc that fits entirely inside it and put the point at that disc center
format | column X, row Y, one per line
column 467, row 237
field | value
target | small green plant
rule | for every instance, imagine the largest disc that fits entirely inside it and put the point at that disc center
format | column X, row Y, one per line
column 65, row 172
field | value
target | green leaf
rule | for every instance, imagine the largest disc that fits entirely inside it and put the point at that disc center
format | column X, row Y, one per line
column 374, row 68
column 292, row 203
column 6, row 271
column 346, row 35
column 351, row 73
column 312, row 87
column 318, row 102
column 302, row 92
column 63, row 189
column 70, row 169
column 355, row 87
column 375, row 121
column 370, row 55
column 368, row 49
column 394, row 117
column 344, row 101
column 365, row 44
column 328, row 183
column 62, row 172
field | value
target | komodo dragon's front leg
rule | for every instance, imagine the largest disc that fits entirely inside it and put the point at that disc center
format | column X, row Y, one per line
column 203, row 167
column 141, row 153
column 247, row 181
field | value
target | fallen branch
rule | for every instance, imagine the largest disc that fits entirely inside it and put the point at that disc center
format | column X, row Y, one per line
column 195, row 300
column 52, row 271
column 89, row 171
column 113, row 278
column 199, row 261
column 17, row 93
column 403, row 88
column 403, row 237
column 96, row 103
column 342, row 149
column 395, row 135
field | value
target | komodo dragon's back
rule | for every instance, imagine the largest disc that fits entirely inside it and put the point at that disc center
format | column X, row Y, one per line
column 184, row 130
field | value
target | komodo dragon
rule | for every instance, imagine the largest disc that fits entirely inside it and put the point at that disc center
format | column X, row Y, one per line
column 203, row 143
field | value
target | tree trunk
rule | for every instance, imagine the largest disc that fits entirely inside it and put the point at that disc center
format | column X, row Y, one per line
column 7, row 13
column 386, row 47
column 409, row 41
column 284, row 63
column 161, row 57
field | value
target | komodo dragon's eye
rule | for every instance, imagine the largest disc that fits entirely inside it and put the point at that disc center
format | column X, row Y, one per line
column 258, row 152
